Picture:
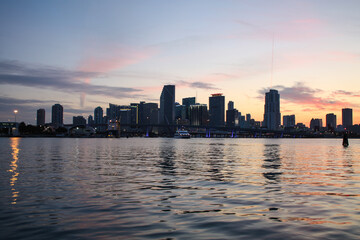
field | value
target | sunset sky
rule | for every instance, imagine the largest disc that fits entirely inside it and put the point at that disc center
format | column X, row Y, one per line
column 84, row 54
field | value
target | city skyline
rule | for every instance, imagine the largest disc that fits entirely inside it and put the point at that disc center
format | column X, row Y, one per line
column 166, row 113
column 85, row 54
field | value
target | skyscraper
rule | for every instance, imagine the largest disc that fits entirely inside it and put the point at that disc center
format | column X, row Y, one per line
column 217, row 109
column 167, row 105
column 316, row 124
column 40, row 117
column 272, row 116
column 57, row 118
column 198, row 115
column 289, row 121
column 90, row 120
column 187, row 102
column 347, row 117
column 232, row 115
column 330, row 121
column 98, row 115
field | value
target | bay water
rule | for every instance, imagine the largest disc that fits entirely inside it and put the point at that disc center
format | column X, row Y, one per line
column 164, row 188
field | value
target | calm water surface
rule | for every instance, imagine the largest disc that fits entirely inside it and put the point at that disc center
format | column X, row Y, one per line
column 163, row 188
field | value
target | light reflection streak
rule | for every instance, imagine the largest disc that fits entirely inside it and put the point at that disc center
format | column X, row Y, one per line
column 311, row 221
column 13, row 167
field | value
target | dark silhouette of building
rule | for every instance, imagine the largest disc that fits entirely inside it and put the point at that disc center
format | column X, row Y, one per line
column 217, row 109
column 79, row 121
column 347, row 117
column 147, row 113
column 167, row 105
column 272, row 116
column 289, row 121
column 187, row 102
column 316, row 124
column 40, row 117
column 232, row 115
column 199, row 115
column 57, row 115
column 180, row 113
column 90, row 120
column 331, row 121
column 98, row 115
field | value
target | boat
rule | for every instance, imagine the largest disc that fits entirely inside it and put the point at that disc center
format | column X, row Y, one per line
column 182, row 134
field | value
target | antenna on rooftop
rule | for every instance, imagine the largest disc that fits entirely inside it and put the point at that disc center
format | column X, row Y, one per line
column 272, row 62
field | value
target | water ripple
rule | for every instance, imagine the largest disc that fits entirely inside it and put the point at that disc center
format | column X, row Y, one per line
column 172, row 189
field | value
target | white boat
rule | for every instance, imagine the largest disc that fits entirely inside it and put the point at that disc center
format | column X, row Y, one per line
column 182, row 134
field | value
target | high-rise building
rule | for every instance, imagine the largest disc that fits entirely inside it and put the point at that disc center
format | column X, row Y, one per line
column 289, row 121
column 230, row 105
column 98, row 115
column 79, row 121
column 150, row 113
column 90, row 120
column 187, row 102
column 272, row 116
column 199, row 115
column 248, row 117
column 40, row 117
column 167, row 105
column 217, row 109
column 347, row 117
column 316, row 124
column 57, row 117
column 330, row 121
column 180, row 112
column 232, row 115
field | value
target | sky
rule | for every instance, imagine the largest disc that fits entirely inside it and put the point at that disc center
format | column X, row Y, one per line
column 83, row 54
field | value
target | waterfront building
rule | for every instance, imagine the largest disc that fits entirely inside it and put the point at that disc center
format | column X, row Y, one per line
column 241, row 120
column 316, row 124
column 90, row 120
column 331, row 121
column 57, row 115
column 180, row 112
column 134, row 113
column 79, row 121
column 125, row 116
column 199, row 115
column 167, row 105
column 113, row 112
column 40, row 117
column 289, row 121
column 217, row 109
column 248, row 117
column 232, row 115
column 272, row 116
column 347, row 118
column 98, row 115
column 188, row 102
column 150, row 113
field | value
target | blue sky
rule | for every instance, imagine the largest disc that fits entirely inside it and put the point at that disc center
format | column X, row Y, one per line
column 85, row 54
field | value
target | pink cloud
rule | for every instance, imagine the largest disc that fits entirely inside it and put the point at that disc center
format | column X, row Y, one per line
column 309, row 99
column 111, row 58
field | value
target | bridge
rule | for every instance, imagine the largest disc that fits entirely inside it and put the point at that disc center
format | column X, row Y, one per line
column 199, row 131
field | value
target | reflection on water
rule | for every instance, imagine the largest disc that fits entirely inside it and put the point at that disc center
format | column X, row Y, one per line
column 14, row 144
column 272, row 162
column 179, row 189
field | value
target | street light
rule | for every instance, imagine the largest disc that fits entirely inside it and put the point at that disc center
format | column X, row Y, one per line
column 15, row 112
